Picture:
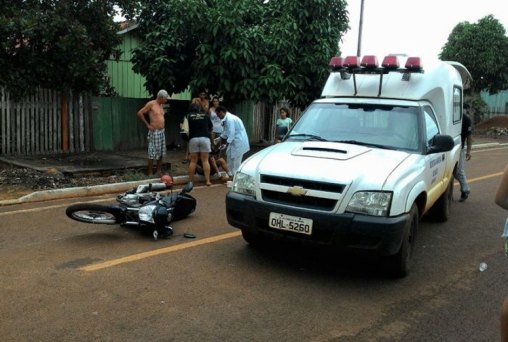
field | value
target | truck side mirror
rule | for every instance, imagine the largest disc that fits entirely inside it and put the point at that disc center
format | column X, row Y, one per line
column 440, row 143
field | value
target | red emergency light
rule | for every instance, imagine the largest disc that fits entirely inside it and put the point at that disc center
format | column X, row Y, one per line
column 414, row 64
column 369, row 62
column 336, row 62
column 351, row 62
column 390, row 62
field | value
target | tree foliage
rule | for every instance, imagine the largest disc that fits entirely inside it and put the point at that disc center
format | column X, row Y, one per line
column 482, row 47
column 56, row 44
column 243, row 49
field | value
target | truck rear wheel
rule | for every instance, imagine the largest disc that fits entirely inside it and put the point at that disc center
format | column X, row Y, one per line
column 400, row 263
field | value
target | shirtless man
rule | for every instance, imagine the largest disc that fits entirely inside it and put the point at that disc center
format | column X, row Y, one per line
column 156, row 128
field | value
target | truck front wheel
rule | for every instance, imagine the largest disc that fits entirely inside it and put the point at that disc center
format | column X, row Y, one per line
column 399, row 264
column 440, row 211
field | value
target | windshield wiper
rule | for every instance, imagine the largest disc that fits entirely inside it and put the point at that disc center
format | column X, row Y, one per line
column 356, row 142
column 308, row 136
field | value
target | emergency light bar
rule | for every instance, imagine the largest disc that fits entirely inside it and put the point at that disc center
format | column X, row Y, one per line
column 351, row 65
column 370, row 63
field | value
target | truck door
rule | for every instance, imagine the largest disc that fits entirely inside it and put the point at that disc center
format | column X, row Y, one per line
column 435, row 164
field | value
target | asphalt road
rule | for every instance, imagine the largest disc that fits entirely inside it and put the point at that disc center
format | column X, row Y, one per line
column 64, row 280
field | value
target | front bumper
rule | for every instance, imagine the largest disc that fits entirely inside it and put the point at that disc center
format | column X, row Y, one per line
column 382, row 235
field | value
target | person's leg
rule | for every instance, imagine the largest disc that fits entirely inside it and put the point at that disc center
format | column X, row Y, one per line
column 229, row 159
column 235, row 164
column 460, row 175
column 224, row 166
column 160, row 147
column 159, row 166
column 193, row 158
column 192, row 165
column 214, row 168
column 150, row 167
column 206, row 167
column 151, row 152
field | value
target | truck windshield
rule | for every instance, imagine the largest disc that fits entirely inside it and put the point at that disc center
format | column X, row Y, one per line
column 394, row 127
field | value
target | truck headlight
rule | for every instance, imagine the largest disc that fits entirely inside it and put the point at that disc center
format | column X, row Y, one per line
column 244, row 184
column 373, row 203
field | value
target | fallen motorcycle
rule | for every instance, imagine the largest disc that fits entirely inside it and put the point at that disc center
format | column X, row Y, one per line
column 143, row 207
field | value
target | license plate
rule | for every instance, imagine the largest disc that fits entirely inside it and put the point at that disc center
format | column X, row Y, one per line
column 290, row 223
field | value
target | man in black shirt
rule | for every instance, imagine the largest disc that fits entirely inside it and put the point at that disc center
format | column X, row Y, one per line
column 465, row 154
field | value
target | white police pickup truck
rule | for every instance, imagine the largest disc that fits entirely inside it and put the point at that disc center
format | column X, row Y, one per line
column 363, row 163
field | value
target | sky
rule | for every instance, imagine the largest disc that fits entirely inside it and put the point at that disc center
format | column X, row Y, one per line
column 416, row 28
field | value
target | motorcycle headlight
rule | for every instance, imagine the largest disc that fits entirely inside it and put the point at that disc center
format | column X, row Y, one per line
column 373, row 203
column 244, row 184
column 146, row 213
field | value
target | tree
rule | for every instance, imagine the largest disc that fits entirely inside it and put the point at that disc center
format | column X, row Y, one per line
column 482, row 47
column 56, row 44
column 244, row 49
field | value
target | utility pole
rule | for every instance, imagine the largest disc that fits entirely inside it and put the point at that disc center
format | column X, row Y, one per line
column 360, row 29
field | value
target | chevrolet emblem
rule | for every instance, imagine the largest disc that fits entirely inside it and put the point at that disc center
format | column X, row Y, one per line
column 297, row 191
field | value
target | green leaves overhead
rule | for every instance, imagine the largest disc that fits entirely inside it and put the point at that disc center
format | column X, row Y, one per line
column 55, row 44
column 482, row 47
column 243, row 49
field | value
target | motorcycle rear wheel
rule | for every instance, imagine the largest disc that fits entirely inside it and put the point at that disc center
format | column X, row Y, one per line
column 94, row 213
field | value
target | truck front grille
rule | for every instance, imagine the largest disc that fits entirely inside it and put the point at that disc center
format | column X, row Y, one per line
column 305, row 183
column 302, row 201
column 309, row 202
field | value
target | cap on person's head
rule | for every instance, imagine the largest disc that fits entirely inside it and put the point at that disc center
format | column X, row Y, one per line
column 163, row 93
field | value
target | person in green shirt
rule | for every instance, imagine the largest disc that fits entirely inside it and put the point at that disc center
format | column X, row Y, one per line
column 283, row 124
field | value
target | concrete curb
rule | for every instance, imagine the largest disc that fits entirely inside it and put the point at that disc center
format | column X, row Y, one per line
column 488, row 145
column 95, row 190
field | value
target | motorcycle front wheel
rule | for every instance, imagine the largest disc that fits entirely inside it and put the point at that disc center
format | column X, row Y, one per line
column 94, row 213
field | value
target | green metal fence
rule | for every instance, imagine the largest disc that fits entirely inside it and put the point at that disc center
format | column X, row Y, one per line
column 116, row 126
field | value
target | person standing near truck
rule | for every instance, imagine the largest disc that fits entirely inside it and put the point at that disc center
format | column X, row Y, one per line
column 465, row 154
column 234, row 137
column 200, row 128
column 156, row 129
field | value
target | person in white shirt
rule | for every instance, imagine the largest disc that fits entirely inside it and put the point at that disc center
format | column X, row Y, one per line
column 234, row 137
